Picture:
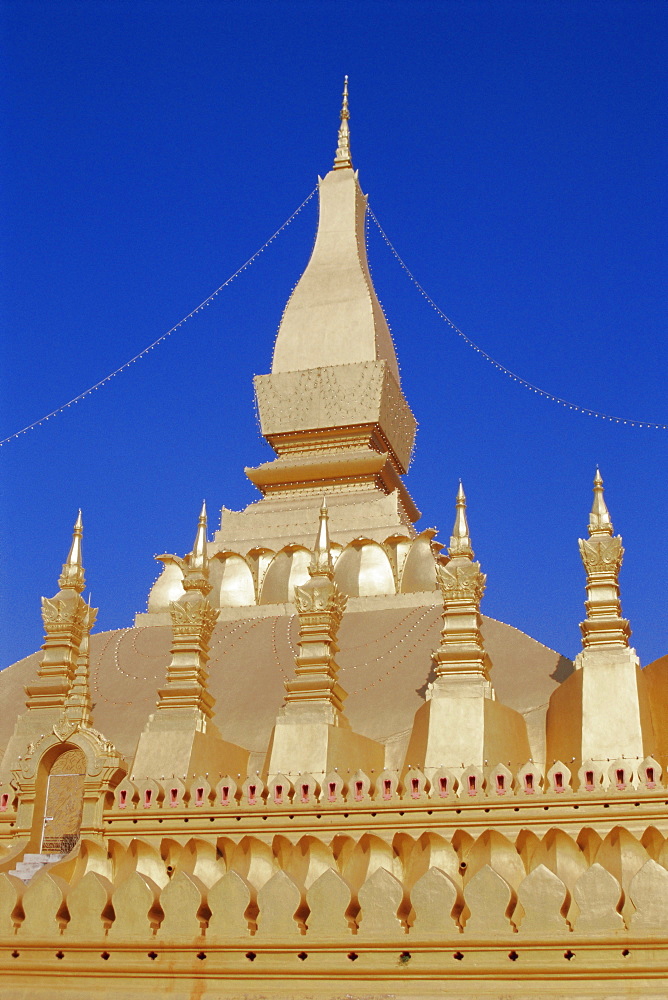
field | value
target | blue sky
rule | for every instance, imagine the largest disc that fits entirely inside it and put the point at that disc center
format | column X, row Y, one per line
column 516, row 155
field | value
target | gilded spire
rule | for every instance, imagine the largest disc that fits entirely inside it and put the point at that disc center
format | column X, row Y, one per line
column 343, row 157
column 599, row 519
column 66, row 618
column 198, row 558
column 193, row 621
column 78, row 706
column 196, row 565
column 321, row 561
column 320, row 606
column 72, row 576
column 602, row 555
column 345, row 312
column 462, row 648
column 460, row 541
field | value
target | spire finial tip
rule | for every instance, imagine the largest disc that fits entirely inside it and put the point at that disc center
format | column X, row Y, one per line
column 321, row 562
column 342, row 157
column 72, row 575
column 599, row 519
column 460, row 542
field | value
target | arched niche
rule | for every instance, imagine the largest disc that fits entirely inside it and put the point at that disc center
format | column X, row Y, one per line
column 287, row 570
column 231, row 579
column 419, row 570
column 363, row 570
column 168, row 587
column 62, row 778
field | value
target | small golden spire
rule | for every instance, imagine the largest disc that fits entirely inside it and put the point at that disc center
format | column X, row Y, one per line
column 321, row 561
column 343, row 158
column 72, row 576
column 198, row 558
column 599, row 519
column 460, row 541
column 602, row 555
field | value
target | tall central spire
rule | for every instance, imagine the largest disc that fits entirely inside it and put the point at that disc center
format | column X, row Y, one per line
column 343, row 157
column 332, row 407
column 333, row 316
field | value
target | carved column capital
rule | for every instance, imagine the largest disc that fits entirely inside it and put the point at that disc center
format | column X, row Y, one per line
column 193, row 617
column 461, row 581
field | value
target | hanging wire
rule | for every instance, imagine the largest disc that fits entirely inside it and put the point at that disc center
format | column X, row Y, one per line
column 137, row 357
column 647, row 424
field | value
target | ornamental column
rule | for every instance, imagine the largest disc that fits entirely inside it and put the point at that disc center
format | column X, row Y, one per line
column 602, row 555
column 461, row 723
column 312, row 734
column 601, row 712
column 181, row 738
column 67, row 621
column 78, row 704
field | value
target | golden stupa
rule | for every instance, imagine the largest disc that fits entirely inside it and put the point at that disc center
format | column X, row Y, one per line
column 312, row 768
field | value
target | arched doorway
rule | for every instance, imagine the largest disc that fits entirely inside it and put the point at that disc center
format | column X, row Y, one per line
column 64, row 802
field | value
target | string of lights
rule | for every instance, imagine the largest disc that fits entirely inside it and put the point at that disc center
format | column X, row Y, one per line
column 646, row 424
column 207, row 302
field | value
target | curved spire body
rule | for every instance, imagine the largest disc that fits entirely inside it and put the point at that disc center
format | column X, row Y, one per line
column 333, row 316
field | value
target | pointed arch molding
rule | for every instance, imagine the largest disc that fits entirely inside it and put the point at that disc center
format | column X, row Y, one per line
column 104, row 768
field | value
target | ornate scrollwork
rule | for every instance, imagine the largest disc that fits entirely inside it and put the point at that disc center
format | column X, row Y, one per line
column 193, row 616
column 106, row 747
column 461, row 581
column 58, row 614
column 319, row 596
column 64, row 728
column 602, row 555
